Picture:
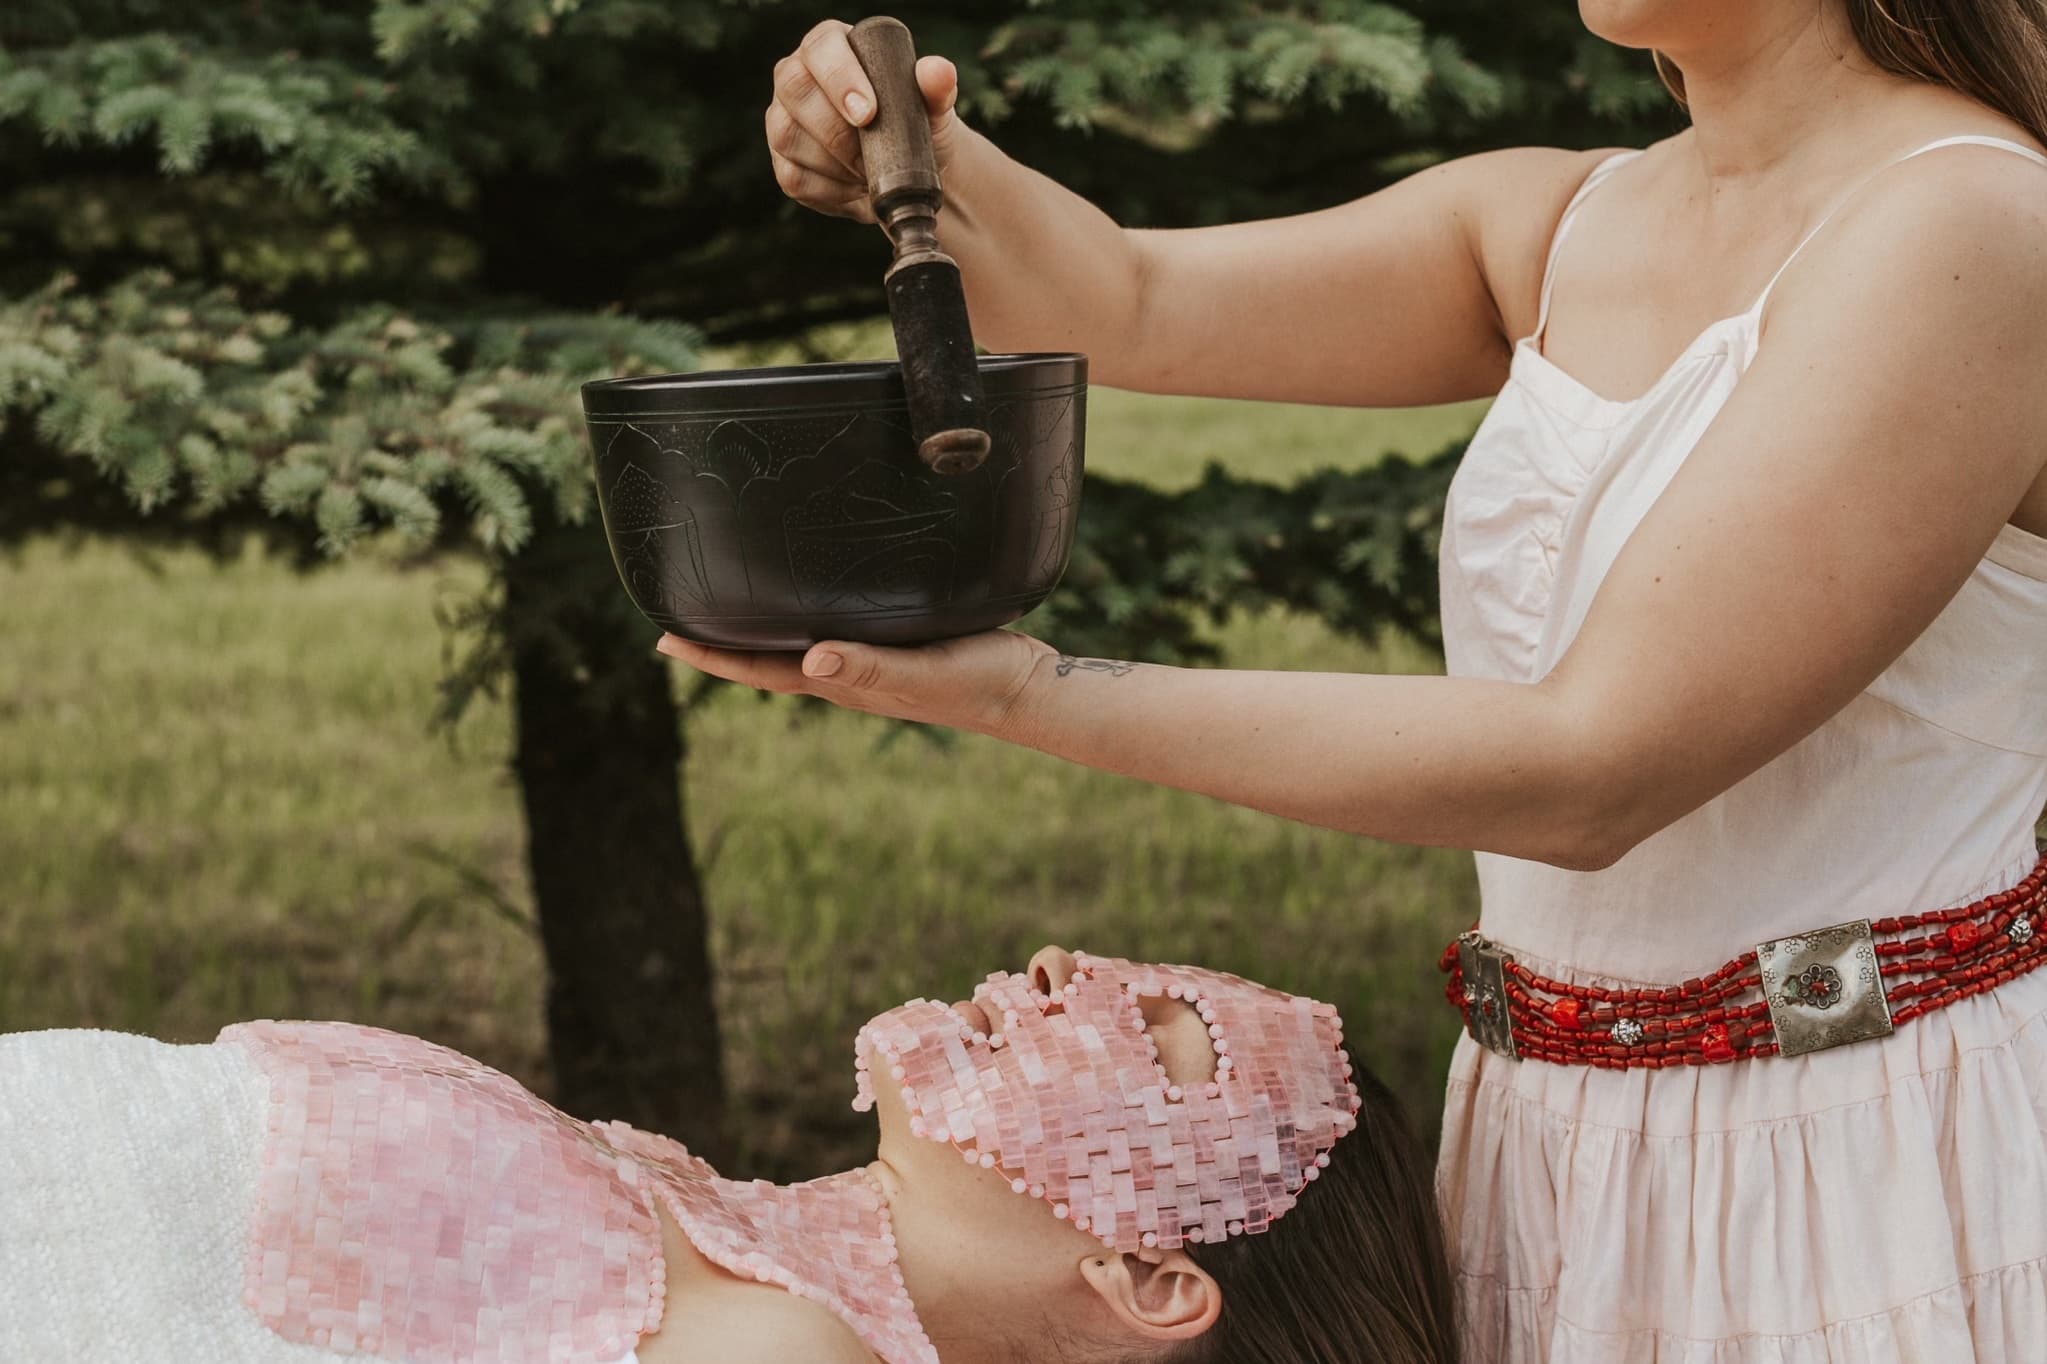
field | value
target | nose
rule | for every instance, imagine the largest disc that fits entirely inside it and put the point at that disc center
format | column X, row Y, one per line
column 1050, row 968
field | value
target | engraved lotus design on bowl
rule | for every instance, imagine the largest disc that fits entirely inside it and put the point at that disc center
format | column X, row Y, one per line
column 771, row 508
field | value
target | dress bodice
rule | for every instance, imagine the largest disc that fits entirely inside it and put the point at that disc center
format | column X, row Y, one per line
column 1922, row 791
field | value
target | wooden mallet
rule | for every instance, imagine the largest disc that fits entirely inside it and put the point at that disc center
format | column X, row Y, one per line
column 927, row 302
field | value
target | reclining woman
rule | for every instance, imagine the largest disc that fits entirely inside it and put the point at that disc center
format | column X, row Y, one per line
column 1091, row 1160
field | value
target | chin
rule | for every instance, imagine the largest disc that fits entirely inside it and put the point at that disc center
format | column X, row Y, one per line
column 1641, row 23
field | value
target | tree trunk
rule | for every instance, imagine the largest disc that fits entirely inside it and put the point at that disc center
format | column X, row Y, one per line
column 632, row 1022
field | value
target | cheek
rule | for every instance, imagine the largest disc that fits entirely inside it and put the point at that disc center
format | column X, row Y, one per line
column 934, row 1174
column 961, row 1230
column 1185, row 1051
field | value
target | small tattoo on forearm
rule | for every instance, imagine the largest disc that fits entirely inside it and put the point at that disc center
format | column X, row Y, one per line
column 1112, row 666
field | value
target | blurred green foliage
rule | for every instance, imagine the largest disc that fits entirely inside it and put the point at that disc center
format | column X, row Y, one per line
column 349, row 259
column 331, row 272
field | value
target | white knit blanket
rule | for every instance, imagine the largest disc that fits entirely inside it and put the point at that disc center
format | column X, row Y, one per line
column 127, row 1180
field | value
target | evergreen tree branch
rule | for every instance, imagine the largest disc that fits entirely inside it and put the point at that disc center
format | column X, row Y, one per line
column 381, row 421
column 317, row 124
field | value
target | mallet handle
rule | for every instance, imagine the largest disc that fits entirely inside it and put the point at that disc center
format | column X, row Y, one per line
column 896, row 142
column 927, row 299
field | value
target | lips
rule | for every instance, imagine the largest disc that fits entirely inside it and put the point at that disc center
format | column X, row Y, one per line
column 976, row 1017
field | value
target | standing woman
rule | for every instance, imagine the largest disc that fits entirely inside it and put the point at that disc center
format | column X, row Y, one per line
column 1744, row 599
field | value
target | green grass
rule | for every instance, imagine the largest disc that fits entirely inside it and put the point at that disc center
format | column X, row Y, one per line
column 219, row 799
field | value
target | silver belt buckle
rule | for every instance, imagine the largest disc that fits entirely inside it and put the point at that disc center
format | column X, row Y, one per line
column 1483, row 963
column 1824, row 988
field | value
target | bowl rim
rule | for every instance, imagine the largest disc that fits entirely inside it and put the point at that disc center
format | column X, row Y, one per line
column 841, row 378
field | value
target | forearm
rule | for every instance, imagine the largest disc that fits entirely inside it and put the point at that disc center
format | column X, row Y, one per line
column 1458, row 762
column 1045, row 269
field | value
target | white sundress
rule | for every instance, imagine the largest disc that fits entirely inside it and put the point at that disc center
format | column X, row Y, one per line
column 1883, row 1202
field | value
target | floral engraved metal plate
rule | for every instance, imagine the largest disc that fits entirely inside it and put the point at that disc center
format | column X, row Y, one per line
column 1485, row 993
column 1824, row 988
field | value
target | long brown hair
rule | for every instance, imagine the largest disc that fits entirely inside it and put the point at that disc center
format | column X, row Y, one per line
column 1992, row 50
column 1354, row 1273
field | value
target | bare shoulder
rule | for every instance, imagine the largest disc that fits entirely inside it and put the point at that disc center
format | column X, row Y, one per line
column 1514, row 198
column 1919, row 303
column 1520, row 192
column 1963, row 226
column 753, row 1323
column 1967, row 192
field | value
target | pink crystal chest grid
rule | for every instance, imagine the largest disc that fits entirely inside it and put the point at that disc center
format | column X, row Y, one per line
column 1068, row 1100
column 416, row 1205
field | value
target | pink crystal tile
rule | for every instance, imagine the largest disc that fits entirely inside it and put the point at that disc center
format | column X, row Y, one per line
column 417, row 1205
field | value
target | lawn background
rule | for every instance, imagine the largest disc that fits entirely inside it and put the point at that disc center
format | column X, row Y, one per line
column 221, row 798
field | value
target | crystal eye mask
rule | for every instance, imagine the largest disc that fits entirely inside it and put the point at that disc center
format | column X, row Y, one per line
column 1068, row 1100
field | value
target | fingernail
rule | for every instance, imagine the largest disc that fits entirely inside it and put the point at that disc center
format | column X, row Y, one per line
column 823, row 664
column 856, row 106
column 669, row 645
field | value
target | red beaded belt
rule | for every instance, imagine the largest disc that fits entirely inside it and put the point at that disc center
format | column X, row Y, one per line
column 1845, row 983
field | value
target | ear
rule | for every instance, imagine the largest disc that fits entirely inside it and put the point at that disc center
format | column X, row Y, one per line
column 1160, row 1294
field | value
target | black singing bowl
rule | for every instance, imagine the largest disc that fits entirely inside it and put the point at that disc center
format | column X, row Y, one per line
column 772, row 508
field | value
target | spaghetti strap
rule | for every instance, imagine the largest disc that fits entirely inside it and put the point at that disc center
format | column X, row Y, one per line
column 1549, row 264
column 1972, row 139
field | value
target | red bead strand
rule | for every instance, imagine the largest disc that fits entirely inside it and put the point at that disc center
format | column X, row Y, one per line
column 1969, row 949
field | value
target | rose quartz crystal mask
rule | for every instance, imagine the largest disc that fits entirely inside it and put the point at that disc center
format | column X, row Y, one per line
column 1069, row 1103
